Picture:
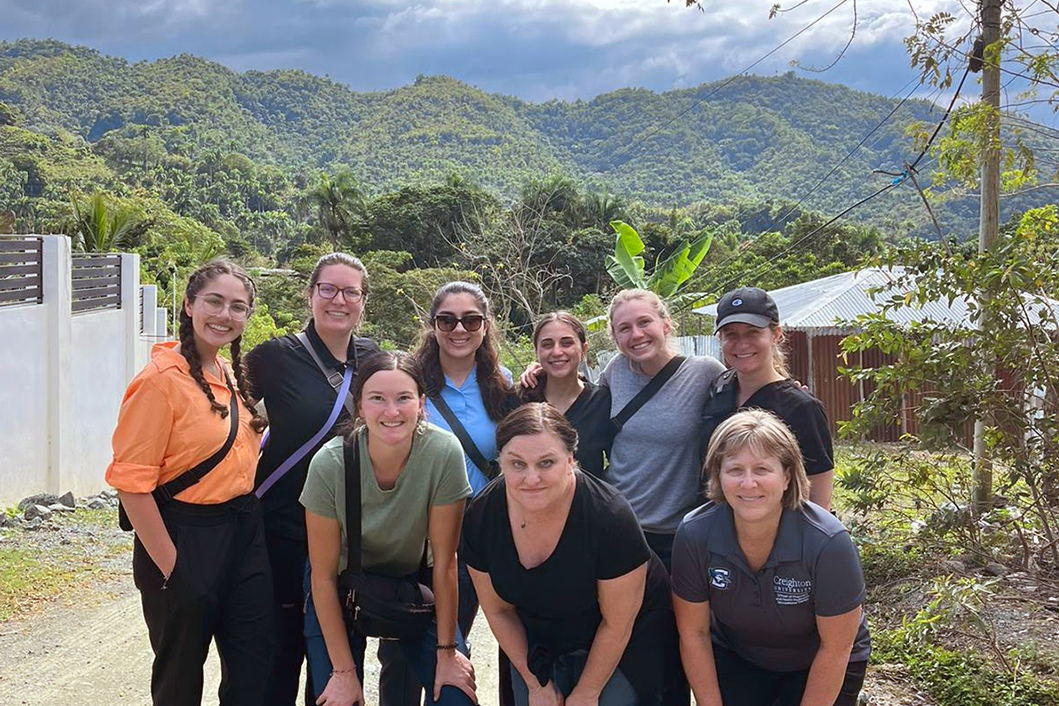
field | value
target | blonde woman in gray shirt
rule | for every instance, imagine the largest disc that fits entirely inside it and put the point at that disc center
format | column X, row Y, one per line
column 656, row 453
column 657, row 450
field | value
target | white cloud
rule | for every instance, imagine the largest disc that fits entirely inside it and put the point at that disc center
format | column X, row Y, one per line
column 536, row 49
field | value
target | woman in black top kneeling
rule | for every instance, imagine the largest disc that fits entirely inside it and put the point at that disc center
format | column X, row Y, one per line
column 568, row 584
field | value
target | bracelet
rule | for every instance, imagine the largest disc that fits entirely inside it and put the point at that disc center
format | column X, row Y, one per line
column 451, row 647
column 342, row 671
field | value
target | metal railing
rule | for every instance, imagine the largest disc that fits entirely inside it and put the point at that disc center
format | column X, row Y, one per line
column 21, row 270
column 96, row 282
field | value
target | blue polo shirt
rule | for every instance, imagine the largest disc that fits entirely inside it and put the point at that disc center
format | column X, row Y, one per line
column 768, row 617
column 466, row 403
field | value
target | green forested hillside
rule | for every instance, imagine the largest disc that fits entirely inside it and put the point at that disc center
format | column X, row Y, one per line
column 754, row 139
column 439, row 179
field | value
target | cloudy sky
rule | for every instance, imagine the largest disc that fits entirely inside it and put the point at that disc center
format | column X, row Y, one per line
column 535, row 49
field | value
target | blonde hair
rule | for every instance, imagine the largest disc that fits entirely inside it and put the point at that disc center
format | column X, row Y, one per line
column 766, row 435
column 627, row 295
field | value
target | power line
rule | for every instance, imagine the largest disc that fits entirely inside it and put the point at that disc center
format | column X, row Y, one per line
column 967, row 55
column 761, row 269
column 616, row 161
column 909, row 170
column 792, row 209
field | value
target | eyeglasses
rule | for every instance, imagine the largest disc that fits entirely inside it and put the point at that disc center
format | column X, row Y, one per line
column 215, row 306
column 330, row 291
column 447, row 322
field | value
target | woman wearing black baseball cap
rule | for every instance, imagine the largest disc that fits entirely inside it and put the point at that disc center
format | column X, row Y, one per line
column 748, row 324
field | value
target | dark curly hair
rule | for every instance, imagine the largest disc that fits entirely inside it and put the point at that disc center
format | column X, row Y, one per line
column 497, row 392
column 199, row 279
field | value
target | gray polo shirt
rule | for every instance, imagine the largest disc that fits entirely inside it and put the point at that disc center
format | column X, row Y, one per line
column 655, row 459
column 769, row 617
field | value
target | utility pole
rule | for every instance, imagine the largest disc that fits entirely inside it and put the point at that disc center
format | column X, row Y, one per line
column 990, row 214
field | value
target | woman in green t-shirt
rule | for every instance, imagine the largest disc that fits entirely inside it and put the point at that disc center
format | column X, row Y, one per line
column 413, row 486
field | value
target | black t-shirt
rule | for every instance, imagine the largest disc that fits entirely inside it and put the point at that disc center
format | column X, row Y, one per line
column 802, row 412
column 590, row 415
column 299, row 400
column 558, row 601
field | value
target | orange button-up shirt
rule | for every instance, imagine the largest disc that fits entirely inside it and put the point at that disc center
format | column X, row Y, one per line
column 166, row 426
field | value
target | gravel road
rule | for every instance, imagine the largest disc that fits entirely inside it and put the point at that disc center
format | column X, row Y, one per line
column 96, row 652
column 89, row 645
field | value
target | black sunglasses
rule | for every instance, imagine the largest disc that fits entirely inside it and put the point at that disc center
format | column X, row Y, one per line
column 447, row 322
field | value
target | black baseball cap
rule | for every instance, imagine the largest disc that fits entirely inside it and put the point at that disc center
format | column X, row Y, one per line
column 747, row 305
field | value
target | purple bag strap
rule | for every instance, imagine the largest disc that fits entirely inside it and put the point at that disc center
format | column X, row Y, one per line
column 347, row 379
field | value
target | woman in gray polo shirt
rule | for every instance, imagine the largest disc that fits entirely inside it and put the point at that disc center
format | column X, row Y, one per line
column 767, row 586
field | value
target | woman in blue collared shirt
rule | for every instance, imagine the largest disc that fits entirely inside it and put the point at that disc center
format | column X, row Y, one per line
column 459, row 354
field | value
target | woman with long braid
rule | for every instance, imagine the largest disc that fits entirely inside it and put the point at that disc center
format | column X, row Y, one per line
column 199, row 558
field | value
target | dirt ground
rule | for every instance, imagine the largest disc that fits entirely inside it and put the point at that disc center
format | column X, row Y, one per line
column 88, row 644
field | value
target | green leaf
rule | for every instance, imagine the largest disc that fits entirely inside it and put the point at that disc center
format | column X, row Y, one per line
column 627, row 247
column 678, row 268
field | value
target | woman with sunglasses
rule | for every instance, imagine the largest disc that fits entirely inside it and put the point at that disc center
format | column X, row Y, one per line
column 466, row 384
column 300, row 398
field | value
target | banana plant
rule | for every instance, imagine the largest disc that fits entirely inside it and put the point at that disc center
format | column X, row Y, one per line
column 627, row 268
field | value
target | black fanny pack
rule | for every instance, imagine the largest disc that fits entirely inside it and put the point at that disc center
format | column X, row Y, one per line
column 377, row 605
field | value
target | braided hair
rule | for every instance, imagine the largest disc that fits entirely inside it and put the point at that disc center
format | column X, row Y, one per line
column 199, row 279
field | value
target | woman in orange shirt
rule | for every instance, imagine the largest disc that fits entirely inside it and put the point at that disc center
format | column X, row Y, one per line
column 199, row 557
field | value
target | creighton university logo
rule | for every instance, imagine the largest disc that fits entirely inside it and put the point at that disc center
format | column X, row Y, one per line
column 719, row 579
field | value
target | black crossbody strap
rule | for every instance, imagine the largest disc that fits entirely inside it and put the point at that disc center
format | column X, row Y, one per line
column 334, row 377
column 351, row 459
column 164, row 493
column 469, row 447
column 653, row 385
column 351, row 454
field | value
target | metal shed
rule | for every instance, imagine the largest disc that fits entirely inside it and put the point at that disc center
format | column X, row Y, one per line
column 809, row 313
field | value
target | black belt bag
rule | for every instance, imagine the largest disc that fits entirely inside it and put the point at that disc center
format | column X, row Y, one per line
column 164, row 493
column 377, row 605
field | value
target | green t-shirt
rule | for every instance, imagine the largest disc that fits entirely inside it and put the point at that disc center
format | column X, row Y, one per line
column 393, row 522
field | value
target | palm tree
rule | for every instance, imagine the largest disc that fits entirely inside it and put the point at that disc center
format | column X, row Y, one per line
column 602, row 207
column 338, row 203
column 98, row 227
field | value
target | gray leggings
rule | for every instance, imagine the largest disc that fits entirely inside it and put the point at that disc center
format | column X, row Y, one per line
column 565, row 673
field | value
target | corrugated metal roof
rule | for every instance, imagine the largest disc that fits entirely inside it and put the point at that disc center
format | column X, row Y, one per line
column 819, row 304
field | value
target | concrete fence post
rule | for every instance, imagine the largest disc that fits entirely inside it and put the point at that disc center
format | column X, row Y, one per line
column 161, row 325
column 57, row 290
column 130, row 306
column 150, row 303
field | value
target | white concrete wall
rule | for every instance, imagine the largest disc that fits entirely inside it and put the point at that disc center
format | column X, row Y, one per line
column 62, row 377
column 23, row 401
column 97, row 381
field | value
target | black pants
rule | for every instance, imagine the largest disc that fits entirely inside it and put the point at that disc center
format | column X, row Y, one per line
column 677, row 692
column 221, row 588
column 747, row 684
column 398, row 685
column 662, row 546
column 287, row 556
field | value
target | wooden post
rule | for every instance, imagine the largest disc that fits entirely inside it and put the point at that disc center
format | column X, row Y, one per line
column 990, row 216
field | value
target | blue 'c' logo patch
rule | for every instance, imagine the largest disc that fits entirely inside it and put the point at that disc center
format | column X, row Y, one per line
column 719, row 579
column 737, row 302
